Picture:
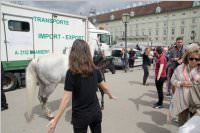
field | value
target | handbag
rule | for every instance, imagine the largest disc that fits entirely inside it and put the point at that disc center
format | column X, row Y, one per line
column 194, row 96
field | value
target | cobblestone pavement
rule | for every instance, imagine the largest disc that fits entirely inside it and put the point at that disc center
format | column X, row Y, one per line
column 132, row 112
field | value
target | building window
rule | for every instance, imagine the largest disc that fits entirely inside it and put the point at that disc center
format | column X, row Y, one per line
column 182, row 22
column 173, row 23
column 156, row 38
column 173, row 31
column 183, row 13
column 143, row 32
column 149, row 32
column 157, row 24
column 137, row 33
column 193, row 20
column 164, row 32
column 165, row 23
column 18, row 26
column 164, row 38
column 172, row 38
column 182, row 30
column 193, row 35
column 157, row 32
column 136, row 26
column 193, row 26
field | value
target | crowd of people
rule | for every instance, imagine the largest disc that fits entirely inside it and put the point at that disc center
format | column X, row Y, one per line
column 179, row 67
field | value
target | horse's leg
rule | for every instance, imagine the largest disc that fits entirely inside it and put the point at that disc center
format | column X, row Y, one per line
column 111, row 67
column 44, row 93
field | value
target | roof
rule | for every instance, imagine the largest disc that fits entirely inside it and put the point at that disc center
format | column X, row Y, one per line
column 166, row 6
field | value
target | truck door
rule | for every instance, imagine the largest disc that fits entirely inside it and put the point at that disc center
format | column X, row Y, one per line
column 18, row 37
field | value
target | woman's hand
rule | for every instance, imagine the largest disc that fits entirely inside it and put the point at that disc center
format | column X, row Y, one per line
column 113, row 97
column 51, row 126
column 198, row 112
column 186, row 84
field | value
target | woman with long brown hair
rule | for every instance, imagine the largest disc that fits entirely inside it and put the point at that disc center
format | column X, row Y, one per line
column 81, row 83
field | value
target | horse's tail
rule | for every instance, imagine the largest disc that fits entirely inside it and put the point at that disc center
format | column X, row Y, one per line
column 31, row 84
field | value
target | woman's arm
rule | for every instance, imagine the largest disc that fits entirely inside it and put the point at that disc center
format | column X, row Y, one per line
column 160, row 71
column 63, row 104
column 103, row 85
column 175, row 81
column 178, row 82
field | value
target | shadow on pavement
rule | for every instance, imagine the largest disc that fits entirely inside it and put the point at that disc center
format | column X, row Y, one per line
column 139, row 101
column 150, row 128
column 157, row 117
column 53, row 105
column 140, row 83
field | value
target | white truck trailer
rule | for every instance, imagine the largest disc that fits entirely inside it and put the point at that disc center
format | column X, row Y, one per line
column 28, row 32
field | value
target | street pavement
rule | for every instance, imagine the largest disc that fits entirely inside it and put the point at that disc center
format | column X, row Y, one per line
column 132, row 112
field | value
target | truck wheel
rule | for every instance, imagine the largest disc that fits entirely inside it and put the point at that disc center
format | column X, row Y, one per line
column 10, row 82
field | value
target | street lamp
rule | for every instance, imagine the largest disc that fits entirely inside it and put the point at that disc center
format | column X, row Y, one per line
column 125, row 20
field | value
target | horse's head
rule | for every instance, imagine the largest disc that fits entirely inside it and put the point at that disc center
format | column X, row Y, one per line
column 106, row 63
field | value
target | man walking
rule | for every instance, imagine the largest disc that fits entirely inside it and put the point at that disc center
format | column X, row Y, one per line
column 175, row 58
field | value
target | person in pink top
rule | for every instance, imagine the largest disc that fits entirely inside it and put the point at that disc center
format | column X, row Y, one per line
column 160, row 75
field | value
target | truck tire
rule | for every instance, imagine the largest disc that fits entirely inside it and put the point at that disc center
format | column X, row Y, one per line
column 10, row 82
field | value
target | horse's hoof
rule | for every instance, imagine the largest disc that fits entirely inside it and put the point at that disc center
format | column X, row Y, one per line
column 50, row 117
column 48, row 112
column 28, row 116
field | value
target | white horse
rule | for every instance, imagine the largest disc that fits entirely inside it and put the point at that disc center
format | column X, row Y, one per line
column 47, row 71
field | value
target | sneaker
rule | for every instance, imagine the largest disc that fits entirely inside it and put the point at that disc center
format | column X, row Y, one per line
column 158, row 106
column 146, row 84
column 4, row 107
column 168, row 94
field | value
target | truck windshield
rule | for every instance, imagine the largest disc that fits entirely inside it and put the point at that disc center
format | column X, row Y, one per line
column 104, row 38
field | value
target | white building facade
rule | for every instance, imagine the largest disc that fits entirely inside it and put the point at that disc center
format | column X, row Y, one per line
column 159, row 27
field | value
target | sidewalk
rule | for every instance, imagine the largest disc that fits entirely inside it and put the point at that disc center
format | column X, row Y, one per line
column 132, row 112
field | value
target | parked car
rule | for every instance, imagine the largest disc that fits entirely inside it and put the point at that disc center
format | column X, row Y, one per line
column 116, row 54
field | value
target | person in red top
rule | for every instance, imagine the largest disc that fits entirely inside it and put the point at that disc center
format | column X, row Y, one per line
column 160, row 75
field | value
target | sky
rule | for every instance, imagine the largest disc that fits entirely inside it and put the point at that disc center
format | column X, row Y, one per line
column 83, row 7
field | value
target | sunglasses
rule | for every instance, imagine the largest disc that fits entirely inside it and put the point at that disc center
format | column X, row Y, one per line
column 196, row 59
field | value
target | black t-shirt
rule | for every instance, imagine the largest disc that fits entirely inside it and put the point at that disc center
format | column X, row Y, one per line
column 84, row 88
column 146, row 60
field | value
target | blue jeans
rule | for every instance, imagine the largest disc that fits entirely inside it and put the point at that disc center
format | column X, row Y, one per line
column 146, row 73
